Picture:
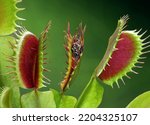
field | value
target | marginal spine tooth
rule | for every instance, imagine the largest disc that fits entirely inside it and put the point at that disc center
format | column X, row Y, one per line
column 112, row 85
column 104, row 69
column 140, row 62
column 18, row 26
column 120, row 39
column 138, row 67
column 17, row 35
column 122, row 80
column 143, row 34
column 143, row 44
column 115, row 49
column 137, row 32
column 46, row 78
column 127, row 76
column 117, row 84
column 108, row 64
column 110, row 57
column 20, row 9
column 46, row 70
column 134, row 71
column 143, row 57
column 145, row 52
column 67, row 49
column 124, row 27
column 146, row 47
column 45, row 82
column 146, row 38
column 22, row 19
column 20, row 31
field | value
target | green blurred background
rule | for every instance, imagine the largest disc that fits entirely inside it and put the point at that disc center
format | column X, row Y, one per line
column 100, row 17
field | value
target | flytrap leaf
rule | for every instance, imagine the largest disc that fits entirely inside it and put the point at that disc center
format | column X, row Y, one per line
column 64, row 101
column 28, row 58
column 10, row 98
column 74, row 48
column 4, row 98
column 123, row 53
column 8, row 16
column 92, row 95
column 67, row 102
column 141, row 101
column 37, row 99
column 5, row 53
column 47, row 99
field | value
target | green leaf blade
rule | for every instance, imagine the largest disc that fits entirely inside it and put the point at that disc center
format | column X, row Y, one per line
column 92, row 95
column 57, row 97
column 37, row 99
column 64, row 101
column 8, row 16
column 46, row 99
column 14, row 97
column 67, row 102
column 5, row 53
column 29, row 100
column 141, row 101
column 4, row 98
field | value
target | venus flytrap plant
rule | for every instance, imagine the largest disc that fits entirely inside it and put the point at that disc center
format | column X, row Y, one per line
column 27, row 68
column 63, row 101
column 28, row 58
column 46, row 99
column 22, row 60
column 123, row 54
column 4, row 98
column 8, row 25
column 5, row 51
column 10, row 97
column 74, row 48
column 9, row 89
column 29, row 65
column 8, row 16
column 125, row 49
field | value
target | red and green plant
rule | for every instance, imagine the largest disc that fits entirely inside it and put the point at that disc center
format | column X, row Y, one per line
column 22, row 60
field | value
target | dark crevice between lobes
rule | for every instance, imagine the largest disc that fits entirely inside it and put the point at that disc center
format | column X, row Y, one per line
column 28, row 61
